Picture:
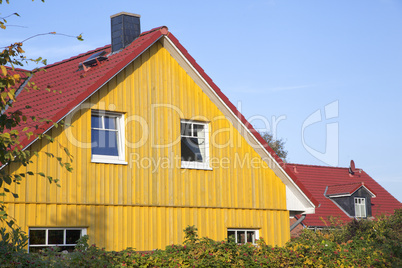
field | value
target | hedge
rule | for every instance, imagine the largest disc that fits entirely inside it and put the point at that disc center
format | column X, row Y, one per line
column 362, row 243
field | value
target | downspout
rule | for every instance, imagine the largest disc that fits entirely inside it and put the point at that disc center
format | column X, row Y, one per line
column 297, row 222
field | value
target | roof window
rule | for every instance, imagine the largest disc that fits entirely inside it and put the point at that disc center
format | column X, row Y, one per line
column 93, row 60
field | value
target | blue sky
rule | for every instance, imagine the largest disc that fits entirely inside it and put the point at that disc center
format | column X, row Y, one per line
column 278, row 60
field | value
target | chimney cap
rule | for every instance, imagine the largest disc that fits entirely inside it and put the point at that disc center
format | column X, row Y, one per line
column 125, row 13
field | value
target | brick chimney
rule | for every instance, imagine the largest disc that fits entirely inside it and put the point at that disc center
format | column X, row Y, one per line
column 125, row 29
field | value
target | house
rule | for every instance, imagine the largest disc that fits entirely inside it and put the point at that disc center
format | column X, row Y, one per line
column 157, row 146
column 343, row 193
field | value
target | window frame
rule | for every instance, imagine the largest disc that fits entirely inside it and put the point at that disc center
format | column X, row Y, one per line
column 358, row 207
column 110, row 159
column 204, row 165
column 65, row 229
column 236, row 230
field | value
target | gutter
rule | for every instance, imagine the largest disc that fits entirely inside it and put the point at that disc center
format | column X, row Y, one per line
column 297, row 222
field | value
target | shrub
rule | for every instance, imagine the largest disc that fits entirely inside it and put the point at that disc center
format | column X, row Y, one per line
column 362, row 243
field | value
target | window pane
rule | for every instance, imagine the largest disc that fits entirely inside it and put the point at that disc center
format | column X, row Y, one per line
column 241, row 237
column 72, row 236
column 56, row 236
column 37, row 237
column 232, row 234
column 110, row 122
column 199, row 131
column 250, row 237
column 104, row 142
column 186, row 129
column 96, row 121
column 190, row 149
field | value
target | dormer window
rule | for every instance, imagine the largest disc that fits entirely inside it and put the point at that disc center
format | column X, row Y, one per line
column 360, row 207
column 353, row 198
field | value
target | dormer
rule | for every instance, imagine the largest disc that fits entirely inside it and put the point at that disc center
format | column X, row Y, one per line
column 353, row 198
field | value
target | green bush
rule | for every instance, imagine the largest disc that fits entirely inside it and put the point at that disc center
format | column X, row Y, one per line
column 361, row 243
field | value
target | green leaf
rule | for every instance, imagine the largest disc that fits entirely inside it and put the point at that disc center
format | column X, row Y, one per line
column 7, row 179
column 41, row 174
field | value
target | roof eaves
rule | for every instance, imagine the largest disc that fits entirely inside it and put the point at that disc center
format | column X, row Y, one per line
column 365, row 187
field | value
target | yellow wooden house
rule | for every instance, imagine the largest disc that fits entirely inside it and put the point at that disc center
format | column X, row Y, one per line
column 157, row 147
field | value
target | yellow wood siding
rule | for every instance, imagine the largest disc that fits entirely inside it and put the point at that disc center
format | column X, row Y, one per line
column 146, row 204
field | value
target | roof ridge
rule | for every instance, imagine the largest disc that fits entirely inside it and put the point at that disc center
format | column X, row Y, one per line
column 350, row 183
column 309, row 165
column 151, row 31
column 95, row 50
column 17, row 69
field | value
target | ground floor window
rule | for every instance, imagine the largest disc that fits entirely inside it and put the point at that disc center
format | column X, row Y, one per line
column 243, row 236
column 64, row 238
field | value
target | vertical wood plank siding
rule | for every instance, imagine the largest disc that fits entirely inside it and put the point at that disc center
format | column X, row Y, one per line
column 146, row 204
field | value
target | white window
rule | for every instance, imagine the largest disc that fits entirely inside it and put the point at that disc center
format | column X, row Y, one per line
column 194, row 145
column 243, row 236
column 360, row 207
column 107, row 137
column 64, row 238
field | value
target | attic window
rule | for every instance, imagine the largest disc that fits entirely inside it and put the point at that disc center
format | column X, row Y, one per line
column 93, row 60
column 194, row 145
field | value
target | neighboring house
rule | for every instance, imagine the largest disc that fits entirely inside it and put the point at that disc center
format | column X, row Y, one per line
column 157, row 147
column 343, row 193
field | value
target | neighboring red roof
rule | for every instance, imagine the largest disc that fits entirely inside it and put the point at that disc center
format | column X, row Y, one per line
column 345, row 189
column 317, row 178
column 76, row 86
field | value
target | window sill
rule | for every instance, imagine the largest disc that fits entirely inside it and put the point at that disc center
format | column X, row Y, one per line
column 109, row 161
column 195, row 165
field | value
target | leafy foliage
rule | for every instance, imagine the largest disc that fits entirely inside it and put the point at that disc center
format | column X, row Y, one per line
column 12, row 121
column 362, row 243
column 278, row 145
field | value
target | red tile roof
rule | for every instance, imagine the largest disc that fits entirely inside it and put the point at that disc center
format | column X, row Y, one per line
column 72, row 87
column 345, row 189
column 317, row 178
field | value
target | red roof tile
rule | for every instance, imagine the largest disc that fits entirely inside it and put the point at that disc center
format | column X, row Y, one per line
column 345, row 189
column 317, row 178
